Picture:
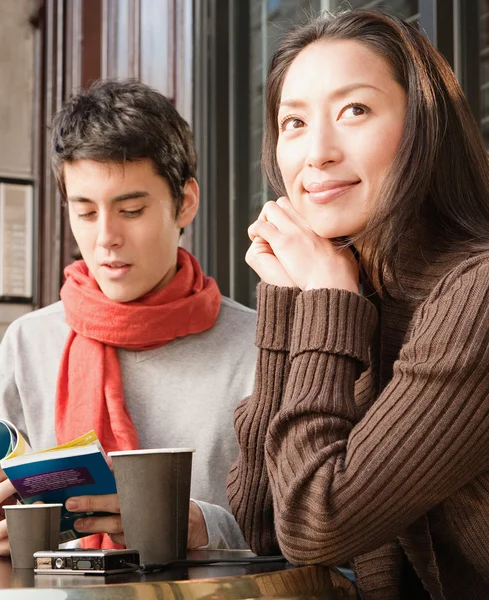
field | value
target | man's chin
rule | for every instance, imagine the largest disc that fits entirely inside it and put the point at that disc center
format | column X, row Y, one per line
column 120, row 294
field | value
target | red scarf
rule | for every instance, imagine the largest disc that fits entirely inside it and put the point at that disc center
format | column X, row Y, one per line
column 90, row 391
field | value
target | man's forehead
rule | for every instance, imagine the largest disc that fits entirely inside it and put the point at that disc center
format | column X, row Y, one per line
column 86, row 178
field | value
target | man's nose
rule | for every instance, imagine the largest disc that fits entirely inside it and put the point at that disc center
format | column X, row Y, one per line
column 109, row 233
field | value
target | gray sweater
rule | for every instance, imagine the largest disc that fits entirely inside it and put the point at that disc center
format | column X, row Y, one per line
column 180, row 395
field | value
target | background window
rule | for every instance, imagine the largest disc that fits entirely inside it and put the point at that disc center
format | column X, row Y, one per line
column 405, row 8
column 484, row 69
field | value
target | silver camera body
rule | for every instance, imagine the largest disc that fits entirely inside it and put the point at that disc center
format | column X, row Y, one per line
column 79, row 561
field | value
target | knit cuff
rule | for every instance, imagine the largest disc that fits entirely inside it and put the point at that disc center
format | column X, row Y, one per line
column 275, row 307
column 333, row 321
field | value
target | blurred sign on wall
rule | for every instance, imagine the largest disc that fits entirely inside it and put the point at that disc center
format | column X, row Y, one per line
column 16, row 235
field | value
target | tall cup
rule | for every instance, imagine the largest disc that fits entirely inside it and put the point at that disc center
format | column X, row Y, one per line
column 31, row 527
column 154, row 496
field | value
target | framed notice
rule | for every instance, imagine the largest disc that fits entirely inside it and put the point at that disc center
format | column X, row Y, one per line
column 16, row 241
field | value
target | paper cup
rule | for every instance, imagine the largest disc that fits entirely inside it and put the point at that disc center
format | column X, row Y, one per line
column 31, row 527
column 154, row 495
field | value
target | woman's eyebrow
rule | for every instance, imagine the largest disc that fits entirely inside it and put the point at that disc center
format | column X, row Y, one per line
column 343, row 91
column 338, row 93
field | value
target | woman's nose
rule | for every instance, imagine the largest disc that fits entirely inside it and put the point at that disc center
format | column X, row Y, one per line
column 323, row 147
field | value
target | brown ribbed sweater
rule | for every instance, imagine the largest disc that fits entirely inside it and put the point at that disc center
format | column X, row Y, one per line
column 360, row 466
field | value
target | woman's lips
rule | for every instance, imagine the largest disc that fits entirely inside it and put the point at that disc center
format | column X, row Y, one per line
column 322, row 193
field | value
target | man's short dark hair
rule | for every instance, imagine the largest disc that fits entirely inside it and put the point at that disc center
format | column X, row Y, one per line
column 118, row 121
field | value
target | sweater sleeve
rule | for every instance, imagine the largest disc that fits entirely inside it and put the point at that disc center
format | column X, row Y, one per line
column 248, row 491
column 342, row 489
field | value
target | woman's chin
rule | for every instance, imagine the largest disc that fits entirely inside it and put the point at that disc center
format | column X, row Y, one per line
column 327, row 232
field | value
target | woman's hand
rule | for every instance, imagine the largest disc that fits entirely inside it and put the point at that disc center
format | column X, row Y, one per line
column 289, row 247
column 263, row 261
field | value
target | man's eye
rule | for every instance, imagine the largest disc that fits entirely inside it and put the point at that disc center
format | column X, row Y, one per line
column 290, row 123
column 131, row 214
column 86, row 216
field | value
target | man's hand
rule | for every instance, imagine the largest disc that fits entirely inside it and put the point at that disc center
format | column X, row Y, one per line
column 103, row 503
column 197, row 531
column 7, row 491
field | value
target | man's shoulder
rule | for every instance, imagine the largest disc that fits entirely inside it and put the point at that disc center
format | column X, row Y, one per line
column 234, row 329
column 240, row 310
column 37, row 321
column 232, row 314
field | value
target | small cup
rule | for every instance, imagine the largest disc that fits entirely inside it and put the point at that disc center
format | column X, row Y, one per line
column 31, row 527
column 154, row 496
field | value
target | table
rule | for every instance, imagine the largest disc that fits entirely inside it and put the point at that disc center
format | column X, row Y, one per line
column 232, row 581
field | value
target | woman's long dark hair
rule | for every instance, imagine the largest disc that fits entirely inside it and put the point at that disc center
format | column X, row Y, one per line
column 441, row 171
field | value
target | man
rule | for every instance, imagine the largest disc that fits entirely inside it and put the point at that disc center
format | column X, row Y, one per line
column 141, row 348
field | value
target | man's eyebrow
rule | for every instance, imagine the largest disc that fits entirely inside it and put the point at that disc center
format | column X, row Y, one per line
column 339, row 93
column 129, row 196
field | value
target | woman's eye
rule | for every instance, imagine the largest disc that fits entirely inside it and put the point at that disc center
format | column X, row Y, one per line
column 354, row 110
column 289, row 123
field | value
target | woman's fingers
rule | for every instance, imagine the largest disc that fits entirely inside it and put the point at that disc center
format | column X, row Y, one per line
column 263, row 229
column 281, row 214
column 286, row 206
column 261, row 258
column 274, row 214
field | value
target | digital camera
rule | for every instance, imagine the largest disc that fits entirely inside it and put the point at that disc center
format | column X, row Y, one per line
column 77, row 561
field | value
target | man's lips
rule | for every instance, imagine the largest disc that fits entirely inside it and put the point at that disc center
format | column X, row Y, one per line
column 115, row 269
column 115, row 264
column 324, row 191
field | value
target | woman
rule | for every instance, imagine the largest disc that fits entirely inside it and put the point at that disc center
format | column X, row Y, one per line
column 367, row 434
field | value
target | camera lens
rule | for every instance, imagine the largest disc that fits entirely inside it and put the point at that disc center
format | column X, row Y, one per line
column 59, row 563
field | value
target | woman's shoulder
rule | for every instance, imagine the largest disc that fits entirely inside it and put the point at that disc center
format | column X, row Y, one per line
column 453, row 320
column 470, row 276
column 460, row 297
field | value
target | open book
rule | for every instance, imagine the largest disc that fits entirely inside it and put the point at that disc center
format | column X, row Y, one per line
column 78, row 468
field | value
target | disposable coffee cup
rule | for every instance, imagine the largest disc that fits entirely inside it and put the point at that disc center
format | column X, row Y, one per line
column 31, row 527
column 154, row 496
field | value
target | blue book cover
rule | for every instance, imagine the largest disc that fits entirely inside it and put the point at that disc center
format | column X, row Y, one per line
column 57, row 475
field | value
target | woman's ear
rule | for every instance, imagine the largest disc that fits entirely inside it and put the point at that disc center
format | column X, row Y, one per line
column 190, row 204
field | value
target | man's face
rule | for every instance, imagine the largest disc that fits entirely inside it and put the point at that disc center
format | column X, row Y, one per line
column 123, row 220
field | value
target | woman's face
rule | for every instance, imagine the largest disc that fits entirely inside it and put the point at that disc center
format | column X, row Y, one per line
column 341, row 118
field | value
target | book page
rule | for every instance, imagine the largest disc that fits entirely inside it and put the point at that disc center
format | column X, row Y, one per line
column 83, row 440
column 59, row 474
column 12, row 443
